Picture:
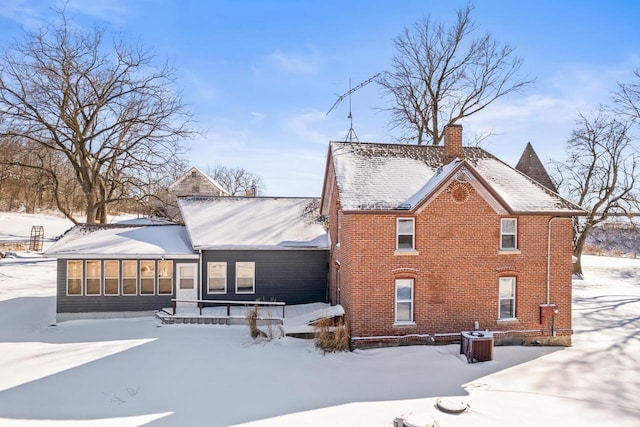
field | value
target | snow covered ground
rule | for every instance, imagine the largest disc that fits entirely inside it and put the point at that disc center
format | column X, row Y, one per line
column 131, row 372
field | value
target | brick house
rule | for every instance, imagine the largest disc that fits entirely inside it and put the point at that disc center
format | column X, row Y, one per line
column 429, row 241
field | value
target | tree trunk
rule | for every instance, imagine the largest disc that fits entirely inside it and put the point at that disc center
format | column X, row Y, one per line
column 577, row 251
column 92, row 211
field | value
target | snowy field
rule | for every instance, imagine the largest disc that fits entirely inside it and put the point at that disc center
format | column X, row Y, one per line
column 134, row 372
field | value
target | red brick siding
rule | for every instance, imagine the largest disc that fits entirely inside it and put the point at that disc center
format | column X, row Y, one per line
column 456, row 272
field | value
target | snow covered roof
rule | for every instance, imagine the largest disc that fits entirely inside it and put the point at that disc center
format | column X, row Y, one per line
column 253, row 222
column 374, row 176
column 123, row 241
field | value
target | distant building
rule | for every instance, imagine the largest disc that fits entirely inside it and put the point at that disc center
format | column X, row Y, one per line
column 193, row 183
column 196, row 183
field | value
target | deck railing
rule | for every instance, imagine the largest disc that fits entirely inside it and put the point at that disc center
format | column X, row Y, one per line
column 202, row 302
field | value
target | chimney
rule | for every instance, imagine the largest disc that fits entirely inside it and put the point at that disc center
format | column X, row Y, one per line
column 452, row 142
column 251, row 192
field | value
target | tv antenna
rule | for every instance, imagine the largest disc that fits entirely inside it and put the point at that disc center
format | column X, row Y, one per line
column 351, row 135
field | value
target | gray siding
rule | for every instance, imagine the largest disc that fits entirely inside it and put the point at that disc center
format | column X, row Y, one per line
column 87, row 304
column 290, row 276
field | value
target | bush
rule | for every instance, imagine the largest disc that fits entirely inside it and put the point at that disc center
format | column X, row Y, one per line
column 252, row 319
column 330, row 335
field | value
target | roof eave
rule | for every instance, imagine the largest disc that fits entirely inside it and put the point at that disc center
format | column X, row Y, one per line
column 80, row 255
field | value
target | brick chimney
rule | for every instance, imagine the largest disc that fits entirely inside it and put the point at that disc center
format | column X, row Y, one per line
column 452, row 142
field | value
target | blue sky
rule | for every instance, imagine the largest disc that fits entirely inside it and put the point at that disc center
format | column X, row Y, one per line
column 260, row 75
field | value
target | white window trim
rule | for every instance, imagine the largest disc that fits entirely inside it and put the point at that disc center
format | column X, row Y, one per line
column 209, row 291
column 137, row 264
column 254, row 277
column 403, row 322
column 413, row 234
column 194, row 277
column 514, row 234
column 514, row 284
column 86, row 278
column 104, row 281
column 154, row 277
column 170, row 277
column 81, row 278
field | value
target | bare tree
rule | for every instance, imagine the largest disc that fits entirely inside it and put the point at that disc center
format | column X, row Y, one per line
column 441, row 74
column 237, row 181
column 599, row 174
column 627, row 98
column 104, row 107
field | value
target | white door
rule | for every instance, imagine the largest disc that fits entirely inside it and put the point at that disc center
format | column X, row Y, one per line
column 187, row 286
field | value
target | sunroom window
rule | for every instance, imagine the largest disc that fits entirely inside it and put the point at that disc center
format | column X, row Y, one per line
column 74, row 277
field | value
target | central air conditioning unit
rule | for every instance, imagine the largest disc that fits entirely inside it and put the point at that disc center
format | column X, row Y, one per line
column 477, row 346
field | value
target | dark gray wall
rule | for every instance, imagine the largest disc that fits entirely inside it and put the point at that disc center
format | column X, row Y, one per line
column 290, row 276
column 85, row 304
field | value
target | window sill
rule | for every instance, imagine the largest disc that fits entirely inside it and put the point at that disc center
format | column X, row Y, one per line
column 401, row 324
column 406, row 252
column 509, row 252
column 510, row 320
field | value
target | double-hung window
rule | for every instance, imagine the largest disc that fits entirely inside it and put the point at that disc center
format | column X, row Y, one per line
column 507, row 298
column 94, row 277
column 508, row 233
column 404, row 300
column 74, row 277
column 245, row 277
column 217, row 272
column 129, row 277
column 111, row 277
column 405, row 234
column 165, row 277
column 147, row 277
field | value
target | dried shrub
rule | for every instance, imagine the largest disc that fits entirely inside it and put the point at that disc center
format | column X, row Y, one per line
column 330, row 335
column 252, row 319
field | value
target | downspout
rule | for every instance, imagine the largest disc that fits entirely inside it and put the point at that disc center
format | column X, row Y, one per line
column 549, row 255
column 200, row 274
column 553, row 319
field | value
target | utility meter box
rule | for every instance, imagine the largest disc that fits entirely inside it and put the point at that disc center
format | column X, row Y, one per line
column 546, row 311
